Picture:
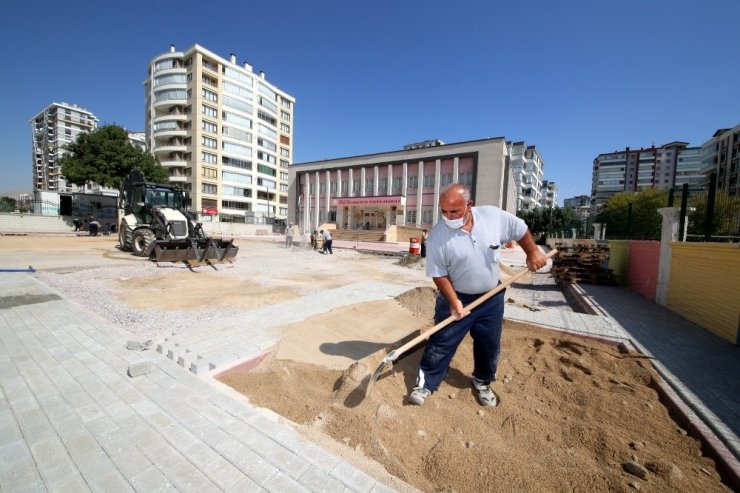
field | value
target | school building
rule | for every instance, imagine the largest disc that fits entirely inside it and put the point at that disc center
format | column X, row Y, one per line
column 398, row 188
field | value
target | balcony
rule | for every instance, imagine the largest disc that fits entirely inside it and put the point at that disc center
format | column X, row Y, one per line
column 174, row 163
column 170, row 132
column 169, row 147
column 170, row 102
column 178, row 179
column 170, row 117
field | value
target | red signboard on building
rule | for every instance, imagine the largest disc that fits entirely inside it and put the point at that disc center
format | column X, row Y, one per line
column 388, row 200
column 209, row 211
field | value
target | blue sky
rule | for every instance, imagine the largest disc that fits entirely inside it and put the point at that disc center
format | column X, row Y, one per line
column 575, row 78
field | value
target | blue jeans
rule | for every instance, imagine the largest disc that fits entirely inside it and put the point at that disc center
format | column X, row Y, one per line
column 484, row 324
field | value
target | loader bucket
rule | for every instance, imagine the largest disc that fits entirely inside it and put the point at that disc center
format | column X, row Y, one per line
column 208, row 250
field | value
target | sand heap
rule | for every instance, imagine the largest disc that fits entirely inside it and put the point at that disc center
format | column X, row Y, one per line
column 575, row 415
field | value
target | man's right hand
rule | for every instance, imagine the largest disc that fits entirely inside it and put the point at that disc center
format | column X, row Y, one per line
column 457, row 310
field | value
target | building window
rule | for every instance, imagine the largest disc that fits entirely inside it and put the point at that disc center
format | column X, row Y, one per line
column 209, row 173
column 413, row 182
column 397, row 183
column 209, row 95
column 236, row 149
column 266, row 144
column 237, row 163
column 209, row 188
column 356, row 186
column 345, row 188
column 383, row 186
column 428, row 181
column 285, row 128
column 333, row 188
column 284, row 152
column 410, row 217
column 236, row 177
column 284, row 115
column 207, row 157
column 209, row 142
column 427, row 216
column 209, row 110
column 466, row 178
column 369, row 185
column 266, row 170
column 210, row 127
column 445, row 179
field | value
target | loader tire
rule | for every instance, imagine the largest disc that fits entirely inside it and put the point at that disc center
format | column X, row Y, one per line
column 125, row 241
column 143, row 242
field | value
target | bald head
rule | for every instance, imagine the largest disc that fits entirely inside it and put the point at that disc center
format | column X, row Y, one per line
column 455, row 201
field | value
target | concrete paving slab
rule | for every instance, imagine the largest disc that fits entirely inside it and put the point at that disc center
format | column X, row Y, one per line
column 166, row 429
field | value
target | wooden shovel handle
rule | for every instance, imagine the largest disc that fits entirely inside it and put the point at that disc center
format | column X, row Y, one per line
column 444, row 323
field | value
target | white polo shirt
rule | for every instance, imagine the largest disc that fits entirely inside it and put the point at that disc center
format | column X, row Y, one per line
column 471, row 259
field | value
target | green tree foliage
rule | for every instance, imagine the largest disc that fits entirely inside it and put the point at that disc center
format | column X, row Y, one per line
column 7, row 204
column 643, row 221
column 726, row 218
column 105, row 156
column 542, row 220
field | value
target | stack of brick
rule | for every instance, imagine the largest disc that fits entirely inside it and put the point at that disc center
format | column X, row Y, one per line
column 583, row 263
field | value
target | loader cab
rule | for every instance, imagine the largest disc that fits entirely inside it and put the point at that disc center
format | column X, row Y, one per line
column 164, row 197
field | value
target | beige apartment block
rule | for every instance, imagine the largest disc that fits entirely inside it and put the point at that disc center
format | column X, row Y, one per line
column 224, row 133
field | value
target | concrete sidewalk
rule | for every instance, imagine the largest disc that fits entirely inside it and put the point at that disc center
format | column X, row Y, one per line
column 71, row 419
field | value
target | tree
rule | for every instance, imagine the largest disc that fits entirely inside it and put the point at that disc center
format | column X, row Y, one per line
column 725, row 219
column 548, row 220
column 7, row 204
column 634, row 214
column 106, row 156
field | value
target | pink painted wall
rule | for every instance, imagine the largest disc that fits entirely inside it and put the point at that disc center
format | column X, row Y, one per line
column 642, row 272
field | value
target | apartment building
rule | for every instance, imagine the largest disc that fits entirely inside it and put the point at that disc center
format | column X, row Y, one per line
column 581, row 204
column 224, row 133
column 402, row 187
column 53, row 128
column 548, row 194
column 528, row 169
column 721, row 154
column 632, row 170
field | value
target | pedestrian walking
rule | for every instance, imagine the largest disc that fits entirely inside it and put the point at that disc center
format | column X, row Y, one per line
column 289, row 236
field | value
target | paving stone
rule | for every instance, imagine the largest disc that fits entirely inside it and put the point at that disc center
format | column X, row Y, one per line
column 112, row 482
column 282, row 483
column 138, row 367
column 317, row 480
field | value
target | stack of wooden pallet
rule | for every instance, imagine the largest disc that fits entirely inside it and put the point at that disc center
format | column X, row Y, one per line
column 582, row 262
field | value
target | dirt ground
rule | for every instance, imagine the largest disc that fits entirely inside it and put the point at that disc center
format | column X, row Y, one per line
column 574, row 414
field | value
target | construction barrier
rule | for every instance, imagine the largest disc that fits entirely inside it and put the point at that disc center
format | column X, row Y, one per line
column 415, row 246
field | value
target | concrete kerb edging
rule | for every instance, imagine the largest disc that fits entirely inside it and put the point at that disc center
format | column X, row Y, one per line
column 692, row 415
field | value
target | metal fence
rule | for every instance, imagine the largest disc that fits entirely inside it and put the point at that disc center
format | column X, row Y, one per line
column 708, row 213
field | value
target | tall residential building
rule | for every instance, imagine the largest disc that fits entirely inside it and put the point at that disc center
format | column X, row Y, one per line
column 53, row 128
column 223, row 132
column 548, row 194
column 528, row 168
column 721, row 154
column 632, row 170
column 402, row 188
column 581, row 204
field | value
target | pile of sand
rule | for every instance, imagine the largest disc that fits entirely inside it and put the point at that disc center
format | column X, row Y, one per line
column 575, row 415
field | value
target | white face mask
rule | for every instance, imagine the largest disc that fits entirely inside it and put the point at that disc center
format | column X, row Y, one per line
column 455, row 223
